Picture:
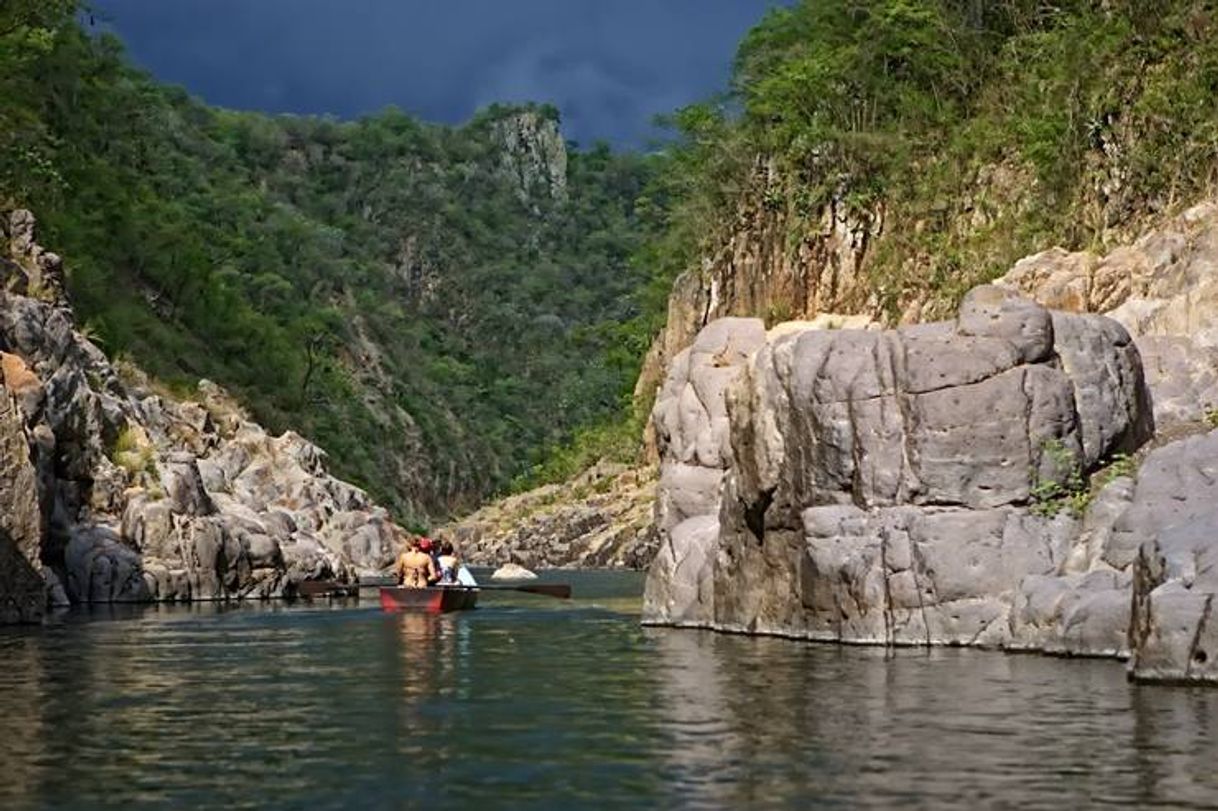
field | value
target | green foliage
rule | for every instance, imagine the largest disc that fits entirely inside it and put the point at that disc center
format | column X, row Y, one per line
column 1211, row 417
column 1096, row 113
column 1067, row 488
column 613, row 441
column 132, row 451
column 1121, row 464
column 378, row 285
column 1064, row 487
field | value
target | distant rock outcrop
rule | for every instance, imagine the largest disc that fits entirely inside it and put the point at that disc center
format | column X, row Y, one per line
column 115, row 491
column 534, row 154
column 513, row 571
column 602, row 518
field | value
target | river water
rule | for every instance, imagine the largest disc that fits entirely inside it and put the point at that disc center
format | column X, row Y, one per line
column 530, row 702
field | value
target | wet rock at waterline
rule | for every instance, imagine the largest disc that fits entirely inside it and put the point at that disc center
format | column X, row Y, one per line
column 114, row 491
column 920, row 485
column 23, row 593
column 1171, row 528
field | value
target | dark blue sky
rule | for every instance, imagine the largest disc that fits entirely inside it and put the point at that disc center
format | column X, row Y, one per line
column 609, row 65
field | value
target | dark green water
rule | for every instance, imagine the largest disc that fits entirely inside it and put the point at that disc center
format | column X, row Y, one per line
column 535, row 703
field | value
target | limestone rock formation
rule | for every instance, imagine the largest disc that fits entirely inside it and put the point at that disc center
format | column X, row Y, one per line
column 114, row 491
column 756, row 274
column 895, row 487
column 693, row 438
column 602, row 518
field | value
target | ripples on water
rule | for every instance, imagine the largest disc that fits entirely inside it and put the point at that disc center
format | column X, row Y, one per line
column 545, row 704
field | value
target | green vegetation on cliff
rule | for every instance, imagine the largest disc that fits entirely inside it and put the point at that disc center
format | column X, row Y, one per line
column 449, row 310
column 977, row 132
column 435, row 306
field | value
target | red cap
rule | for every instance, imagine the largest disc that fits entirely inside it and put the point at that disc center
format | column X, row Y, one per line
column 425, row 544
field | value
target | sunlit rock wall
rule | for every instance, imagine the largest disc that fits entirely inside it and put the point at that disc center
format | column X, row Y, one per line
column 883, row 487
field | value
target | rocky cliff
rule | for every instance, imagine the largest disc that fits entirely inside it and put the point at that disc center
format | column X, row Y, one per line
column 756, row 272
column 435, row 305
column 914, row 486
column 114, row 490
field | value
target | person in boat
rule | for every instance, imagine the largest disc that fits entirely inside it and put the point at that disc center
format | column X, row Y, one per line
column 414, row 568
column 431, row 549
column 448, row 563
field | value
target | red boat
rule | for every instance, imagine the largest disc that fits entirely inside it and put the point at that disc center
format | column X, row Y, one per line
column 434, row 600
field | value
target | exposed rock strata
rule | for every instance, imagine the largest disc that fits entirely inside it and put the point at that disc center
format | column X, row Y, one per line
column 115, row 492
column 879, row 487
column 756, row 273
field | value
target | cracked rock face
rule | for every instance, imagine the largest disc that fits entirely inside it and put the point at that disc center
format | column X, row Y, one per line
column 23, row 594
column 110, row 491
column 878, row 487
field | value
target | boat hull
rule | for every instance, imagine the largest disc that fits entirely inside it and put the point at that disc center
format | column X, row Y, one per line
column 437, row 600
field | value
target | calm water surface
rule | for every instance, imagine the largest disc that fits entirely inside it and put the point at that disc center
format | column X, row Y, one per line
column 535, row 703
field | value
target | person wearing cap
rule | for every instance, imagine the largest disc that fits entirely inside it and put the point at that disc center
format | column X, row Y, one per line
column 432, row 550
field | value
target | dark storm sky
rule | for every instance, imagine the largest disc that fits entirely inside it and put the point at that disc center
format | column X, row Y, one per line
column 609, row 65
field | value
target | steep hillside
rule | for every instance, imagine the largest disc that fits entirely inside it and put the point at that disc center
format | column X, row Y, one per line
column 437, row 307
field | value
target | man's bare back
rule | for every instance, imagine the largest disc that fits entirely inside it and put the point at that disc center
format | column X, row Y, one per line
column 415, row 569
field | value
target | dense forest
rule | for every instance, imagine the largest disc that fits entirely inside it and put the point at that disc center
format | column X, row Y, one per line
column 449, row 311
column 437, row 307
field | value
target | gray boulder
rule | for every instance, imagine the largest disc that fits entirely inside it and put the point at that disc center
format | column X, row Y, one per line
column 878, row 486
column 1183, row 376
column 693, row 434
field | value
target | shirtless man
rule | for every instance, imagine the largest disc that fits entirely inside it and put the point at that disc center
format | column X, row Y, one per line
column 414, row 568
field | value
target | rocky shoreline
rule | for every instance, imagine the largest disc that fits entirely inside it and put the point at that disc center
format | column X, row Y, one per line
column 970, row 482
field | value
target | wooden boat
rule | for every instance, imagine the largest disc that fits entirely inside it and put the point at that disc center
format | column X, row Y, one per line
column 434, row 600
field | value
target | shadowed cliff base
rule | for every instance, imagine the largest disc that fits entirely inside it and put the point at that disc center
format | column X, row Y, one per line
column 115, row 490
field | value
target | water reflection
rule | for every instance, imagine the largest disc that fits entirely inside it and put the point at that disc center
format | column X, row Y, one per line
column 760, row 723
column 528, row 703
column 23, row 724
column 1174, row 741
